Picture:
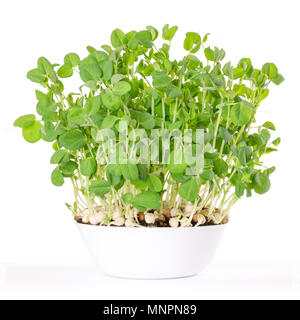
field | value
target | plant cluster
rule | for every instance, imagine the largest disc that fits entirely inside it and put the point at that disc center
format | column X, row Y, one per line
column 134, row 81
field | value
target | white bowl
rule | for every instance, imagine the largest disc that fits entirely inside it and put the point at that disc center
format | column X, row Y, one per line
column 151, row 253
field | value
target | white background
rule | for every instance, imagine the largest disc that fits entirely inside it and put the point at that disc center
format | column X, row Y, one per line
column 36, row 229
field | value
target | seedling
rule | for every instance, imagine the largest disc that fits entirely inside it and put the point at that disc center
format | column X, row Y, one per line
column 136, row 82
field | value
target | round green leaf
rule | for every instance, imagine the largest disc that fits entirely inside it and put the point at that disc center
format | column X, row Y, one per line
column 241, row 113
column 107, row 68
column 173, row 92
column 32, row 133
column 154, row 183
column 116, row 38
column 121, row 88
column 59, row 156
column 111, row 101
column 108, row 122
column 57, row 178
column 36, row 75
column 88, row 166
column 269, row 125
column 25, row 121
column 220, row 167
column 72, row 59
column 76, row 116
column 147, row 199
column 90, row 70
column 65, row 71
column 99, row 187
column 261, row 182
column 174, row 165
column 189, row 190
column 68, row 168
column 127, row 197
column 73, row 139
column 129, row 171
column 92, row 105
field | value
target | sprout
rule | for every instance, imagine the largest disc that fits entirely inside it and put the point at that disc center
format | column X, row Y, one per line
column 136, row 82
column 120, row 221
column 173, row 222
column 150, row 218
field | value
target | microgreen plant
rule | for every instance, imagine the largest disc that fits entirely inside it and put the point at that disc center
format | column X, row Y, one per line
column 133, row 80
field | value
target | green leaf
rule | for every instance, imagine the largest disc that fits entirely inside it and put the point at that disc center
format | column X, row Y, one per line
column 174, row 165
column 189, row 190
column 36, row 75
column 116, row 78
column 160, row 79
column 139, row 184
column 121, row 88
column 240, row 189
column 45, row 105
column 57, row 178
column 242, row 153
column 269, row 125
column 265, row 134
column 144, row 118
column 88, row 166
column 67, row 168
column 220, row 167
column 65, row 71
column 270, row 170
column 76, row 116
column 143, row 172
column 73, row 139
column 45, row 66
column 59, row 156
column 169, row 33
column 107, row 48
column 224, row 134
column 211, row 155
column 238, row 73
column 127, row 198
column 111, row 101
column 72, row 59
column 191, row 39
column 209, row 54
column 129, row 171
column 90, row 69
column 116, row 38
column 48, row 132
column 99, row 187
column 144, row 38
column 261, row 183
column 173, row 92
column 154, row 183
column 92, row 105
column 207, row 175
column 107, row 68
column 153, row 31
column 25, row 121
column 32, row 133
column 278, row 79
column 276, row 142
column 113, row 174
column 109, row 121
column 269, row 150
column 188, row 43
column 240, row 114
column 147, row 200
column 270, row 70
